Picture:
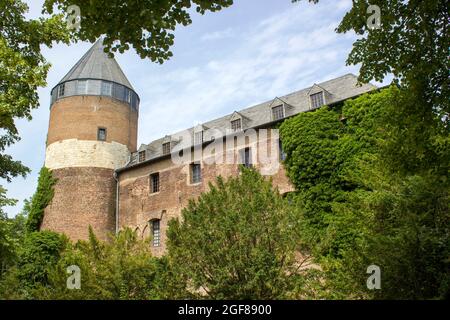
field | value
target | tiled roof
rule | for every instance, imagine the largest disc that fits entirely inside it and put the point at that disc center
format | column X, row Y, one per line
column 337, row 90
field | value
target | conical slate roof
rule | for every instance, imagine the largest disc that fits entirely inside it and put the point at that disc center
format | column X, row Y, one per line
column 96, row 64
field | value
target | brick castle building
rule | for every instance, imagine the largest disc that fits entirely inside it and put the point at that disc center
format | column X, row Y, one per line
column 107, row 182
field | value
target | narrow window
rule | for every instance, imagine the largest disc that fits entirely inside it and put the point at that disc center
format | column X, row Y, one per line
column 278, row 112
column 128, row 95
column 156, row 232
column 141, row 156
column 198, row 137
column 154, row 182
column 166, row 148
column 246, row 157
column 81, row 86
column 281, row 151
column 196, row 173
column 317, row 100
column 101, row 134
column 236, row 125
column 106, row 88
column 61, row 90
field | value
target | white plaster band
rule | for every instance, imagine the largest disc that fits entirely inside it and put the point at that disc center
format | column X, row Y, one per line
column 84, row 153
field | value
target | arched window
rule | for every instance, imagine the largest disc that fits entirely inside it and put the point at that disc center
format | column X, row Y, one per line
column 156, row 232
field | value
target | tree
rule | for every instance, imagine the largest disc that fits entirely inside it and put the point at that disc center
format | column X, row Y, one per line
column 37, row 254
column 362, row 206
column 239, row 240
column 11, row 234
column 22, row 70
column 412, row 44
column 120, row 269
column 147, row 25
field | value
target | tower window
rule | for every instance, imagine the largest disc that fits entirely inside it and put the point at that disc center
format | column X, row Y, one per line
column 61, row 90
column 81, row 86
column 317, row 100
column 198, row 137
column 166, row 148
column 156, row 232
column 141, row 156
column 278, row 112
column 196, row 173
column 101, row 134
column 246, row 157
column 106, row 88
column 154, row 182
column 236, row 125
column 128, row 95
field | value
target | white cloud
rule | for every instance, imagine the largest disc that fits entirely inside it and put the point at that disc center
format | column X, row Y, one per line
column 218, row 35
column 251, row 58
column 278, row 55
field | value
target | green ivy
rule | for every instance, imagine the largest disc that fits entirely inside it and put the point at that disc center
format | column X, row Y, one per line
column 40, row 200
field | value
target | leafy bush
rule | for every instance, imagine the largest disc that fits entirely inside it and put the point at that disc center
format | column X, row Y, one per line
column 239, row 240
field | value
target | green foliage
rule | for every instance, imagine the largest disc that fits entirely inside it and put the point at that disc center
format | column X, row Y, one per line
column 373, row 197
column 40, row 200
column 120, row 269
column 22, row 70
column 412, row 44
column 147, row 25
column 12, row 231
column 38, row 252
column 238, row 241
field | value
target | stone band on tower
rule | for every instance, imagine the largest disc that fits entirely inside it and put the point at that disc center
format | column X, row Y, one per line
column 92, row 131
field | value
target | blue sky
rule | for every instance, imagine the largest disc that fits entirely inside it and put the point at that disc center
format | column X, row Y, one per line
column 246, row 54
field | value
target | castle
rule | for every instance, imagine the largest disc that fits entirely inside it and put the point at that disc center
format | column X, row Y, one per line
column 105, row 181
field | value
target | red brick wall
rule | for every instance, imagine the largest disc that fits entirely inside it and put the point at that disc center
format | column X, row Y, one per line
column 83, row 197
column 138, row 206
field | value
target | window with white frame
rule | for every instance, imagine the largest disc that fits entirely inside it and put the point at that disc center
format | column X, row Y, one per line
column 317, row 100
column 166, row 148
column 236, row 125
column 156, row 232
column 198, row 137
column 141, row 156
column 278, row 112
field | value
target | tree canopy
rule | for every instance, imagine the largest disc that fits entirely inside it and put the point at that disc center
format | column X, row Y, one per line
column 239, row 240
column 146, row 25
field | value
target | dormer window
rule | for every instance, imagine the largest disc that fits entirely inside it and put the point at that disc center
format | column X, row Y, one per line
column 198, row 137
column 278, row 112
column 317, row 100
column 166, row 148
column 141, row 156
column 236, row 125
column 61, row 90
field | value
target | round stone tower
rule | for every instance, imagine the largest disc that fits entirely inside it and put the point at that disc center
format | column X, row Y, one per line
column 92, row 130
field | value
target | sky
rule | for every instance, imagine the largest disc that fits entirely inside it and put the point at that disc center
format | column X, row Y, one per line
column 249, row 53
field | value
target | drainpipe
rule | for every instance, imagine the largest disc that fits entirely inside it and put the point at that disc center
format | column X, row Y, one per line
column 116, row 177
